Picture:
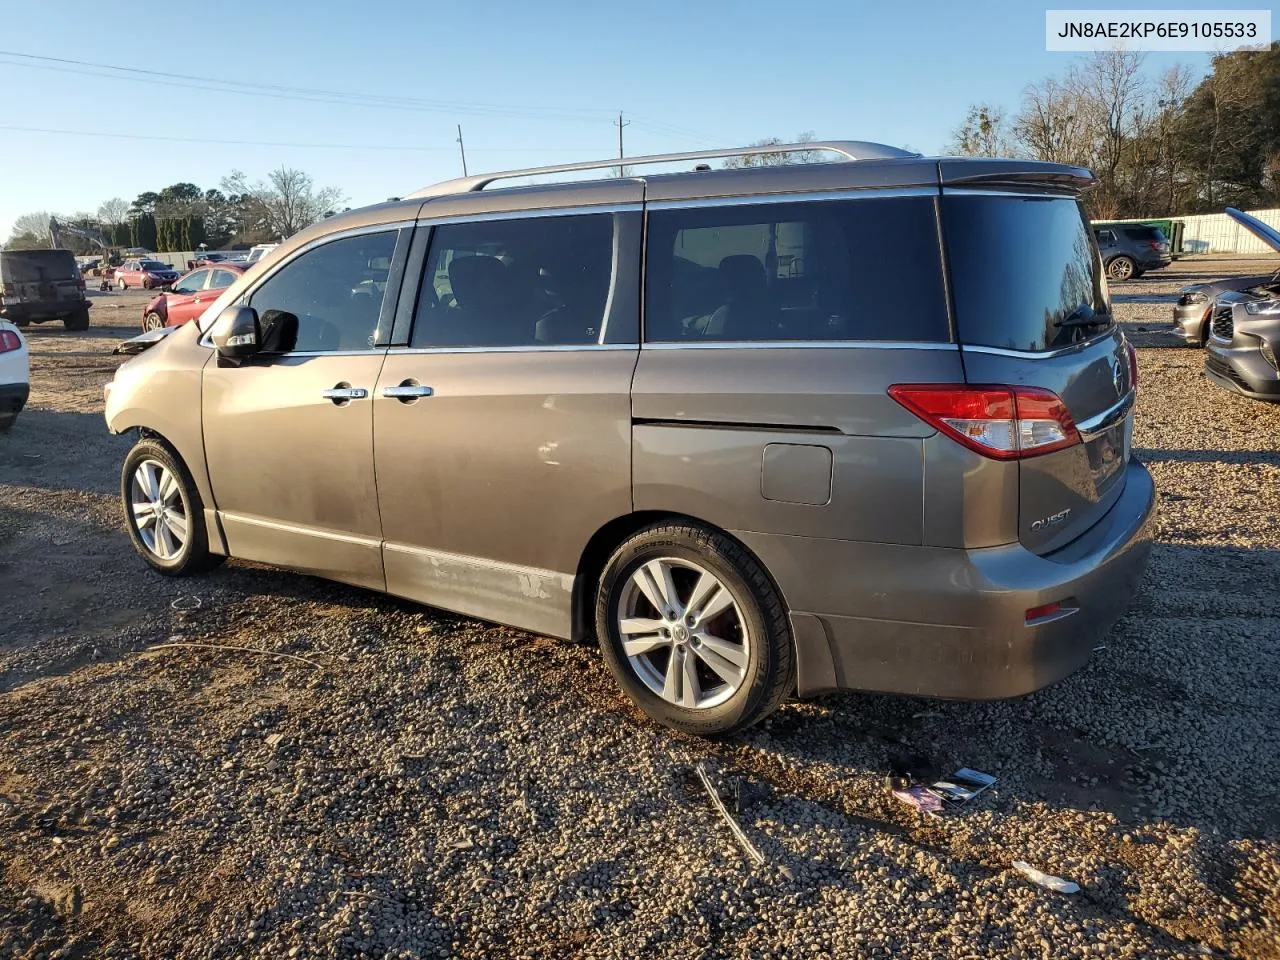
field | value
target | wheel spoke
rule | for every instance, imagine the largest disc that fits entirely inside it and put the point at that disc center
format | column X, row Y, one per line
column 177, row 524
column 706, row 587
column 654, row 581
column 168, row 486
column 632, row 625
column 690, row 691
column 634, row 646
column 165, row 546
column 671, row 683
column 725, row 658
column 715, row 605
column 147, row 478
column 143, row 512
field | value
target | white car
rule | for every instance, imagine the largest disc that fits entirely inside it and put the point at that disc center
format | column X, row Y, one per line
column 15, row 374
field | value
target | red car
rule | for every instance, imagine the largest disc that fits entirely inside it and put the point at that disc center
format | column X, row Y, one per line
column 144, row 273
column 189, row 296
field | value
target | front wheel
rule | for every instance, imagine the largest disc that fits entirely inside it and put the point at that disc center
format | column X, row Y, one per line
column 1121, row 268
column 163, row 511
column 121, row 285
column 693, row 630
column 152, row 321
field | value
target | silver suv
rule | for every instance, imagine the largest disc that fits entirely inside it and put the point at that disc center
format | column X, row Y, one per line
column 779, row 430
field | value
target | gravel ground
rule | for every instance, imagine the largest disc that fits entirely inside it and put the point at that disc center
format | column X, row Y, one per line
column 431, row 786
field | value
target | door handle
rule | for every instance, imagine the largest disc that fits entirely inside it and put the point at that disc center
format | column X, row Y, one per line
column 408, row 391
column 344, row 393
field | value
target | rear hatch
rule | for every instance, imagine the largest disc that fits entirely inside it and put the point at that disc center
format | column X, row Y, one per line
column 1032, row 309
column 39, row 276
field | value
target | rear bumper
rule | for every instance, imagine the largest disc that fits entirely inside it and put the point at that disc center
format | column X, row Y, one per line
column 13, row 397
column 42, row 309
column 1155, row 263
column 943, row 622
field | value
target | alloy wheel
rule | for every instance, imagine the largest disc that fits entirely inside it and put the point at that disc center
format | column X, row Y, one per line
column 152, row 321
column 157, row 509
column 1121, row 269
column 683, row 633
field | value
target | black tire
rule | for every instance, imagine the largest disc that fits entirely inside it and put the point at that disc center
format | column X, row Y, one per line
column 78, row 320
column 152, row 321
column 193, row 556
column 7, row 421
column 769, row 675
column 1121, row 268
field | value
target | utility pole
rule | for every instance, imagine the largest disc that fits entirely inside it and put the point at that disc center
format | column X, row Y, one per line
column 463, row 150
column 619, row 124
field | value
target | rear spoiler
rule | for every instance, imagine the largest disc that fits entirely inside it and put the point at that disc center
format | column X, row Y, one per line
column 1015, row 174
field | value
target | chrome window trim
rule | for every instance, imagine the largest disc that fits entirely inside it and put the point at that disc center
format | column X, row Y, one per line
column 426, row 220
column 544, row 348
column 753, row 200
column 1049, row 192
column 802, row 345
column 324, row 353
column 248, row 292
column 1039, row 354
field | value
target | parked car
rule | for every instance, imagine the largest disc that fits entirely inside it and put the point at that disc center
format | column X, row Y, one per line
column 1193, row 310
column 188, row 297
column 1129, row 251
column 1244, row 329
column 261, row 250
column 144, row 273
column 14, row 374
column 794, row 469
column 41, row 285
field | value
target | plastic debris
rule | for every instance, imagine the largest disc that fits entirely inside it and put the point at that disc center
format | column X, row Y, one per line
column 186, row 604
column 751, row 850
column 920, row 797
column 1046, row 880
column 963, row 785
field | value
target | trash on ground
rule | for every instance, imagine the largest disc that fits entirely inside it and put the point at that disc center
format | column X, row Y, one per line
column 743, row 840
column 920, row 797
column 1046, row 880
column 186, row 604
column 963, row 785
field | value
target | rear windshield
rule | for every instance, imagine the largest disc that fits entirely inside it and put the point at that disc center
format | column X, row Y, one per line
column 1024, row 272
column 1145, row 234
column 27, row 266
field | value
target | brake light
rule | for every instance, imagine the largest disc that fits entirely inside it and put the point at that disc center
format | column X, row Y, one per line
column 1001, row 422
column 9, row 341
column 1133, row 361
column 1155, row 244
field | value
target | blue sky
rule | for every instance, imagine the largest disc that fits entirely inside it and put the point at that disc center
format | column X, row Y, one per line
column 687, row 75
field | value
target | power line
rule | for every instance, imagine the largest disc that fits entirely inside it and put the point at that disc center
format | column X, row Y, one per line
column 270, row 143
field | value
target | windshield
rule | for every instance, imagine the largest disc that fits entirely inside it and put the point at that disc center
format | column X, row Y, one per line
column 154, row 265
column 33, row 266
column 1024, row 272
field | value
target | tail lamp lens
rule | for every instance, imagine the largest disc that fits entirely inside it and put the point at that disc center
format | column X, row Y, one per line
column 9, row 341
column 1001, row 422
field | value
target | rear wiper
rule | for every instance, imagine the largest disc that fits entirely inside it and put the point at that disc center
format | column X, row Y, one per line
column 1076, row 320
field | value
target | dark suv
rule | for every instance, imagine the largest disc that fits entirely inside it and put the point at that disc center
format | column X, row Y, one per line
column 1129, row 251
column 40, row 285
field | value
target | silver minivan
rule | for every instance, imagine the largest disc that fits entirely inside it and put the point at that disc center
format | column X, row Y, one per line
column 766, row 431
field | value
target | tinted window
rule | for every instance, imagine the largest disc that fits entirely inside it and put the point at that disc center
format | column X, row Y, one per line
column 30, row 266
column 530, row 281
column 1145, row 234
column 154, row 265
column 223, row 278
column 843, row 270
column 335, row 291
column 192, row 282
column 1024, row 271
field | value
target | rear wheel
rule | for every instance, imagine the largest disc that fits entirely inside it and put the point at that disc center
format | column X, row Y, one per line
column 78, row 320
column 1121, row 268
column 163, row 511
column 122, row 285
column 152, row 321
column 693, row 630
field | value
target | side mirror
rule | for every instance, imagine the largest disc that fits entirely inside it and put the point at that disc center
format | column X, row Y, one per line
column 236, row 333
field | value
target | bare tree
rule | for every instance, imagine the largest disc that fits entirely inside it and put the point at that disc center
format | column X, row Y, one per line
column 775, row 159
column 35, row 225
column 1054, row 125
column 291, row 201
column 114, row 211
column 984, row 133
column 1109, row 86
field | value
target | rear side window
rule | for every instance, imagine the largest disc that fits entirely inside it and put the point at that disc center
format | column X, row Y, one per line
column 31, row 266
column 523, row 282
column 222, row 279
column 816, row 270
column 1145, row 234
column 1024, row 271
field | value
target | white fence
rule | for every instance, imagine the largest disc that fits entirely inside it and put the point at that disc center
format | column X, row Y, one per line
column 1218, row 233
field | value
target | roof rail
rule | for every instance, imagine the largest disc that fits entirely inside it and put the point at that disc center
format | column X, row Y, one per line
column 848, row 149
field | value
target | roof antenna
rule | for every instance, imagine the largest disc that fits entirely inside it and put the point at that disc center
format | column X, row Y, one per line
column 701, row 168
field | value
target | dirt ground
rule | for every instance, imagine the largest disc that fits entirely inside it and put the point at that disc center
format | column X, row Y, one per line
column 423, row 785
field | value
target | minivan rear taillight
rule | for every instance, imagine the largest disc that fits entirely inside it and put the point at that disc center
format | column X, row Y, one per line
column 9, row 341
column 1002, row 422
